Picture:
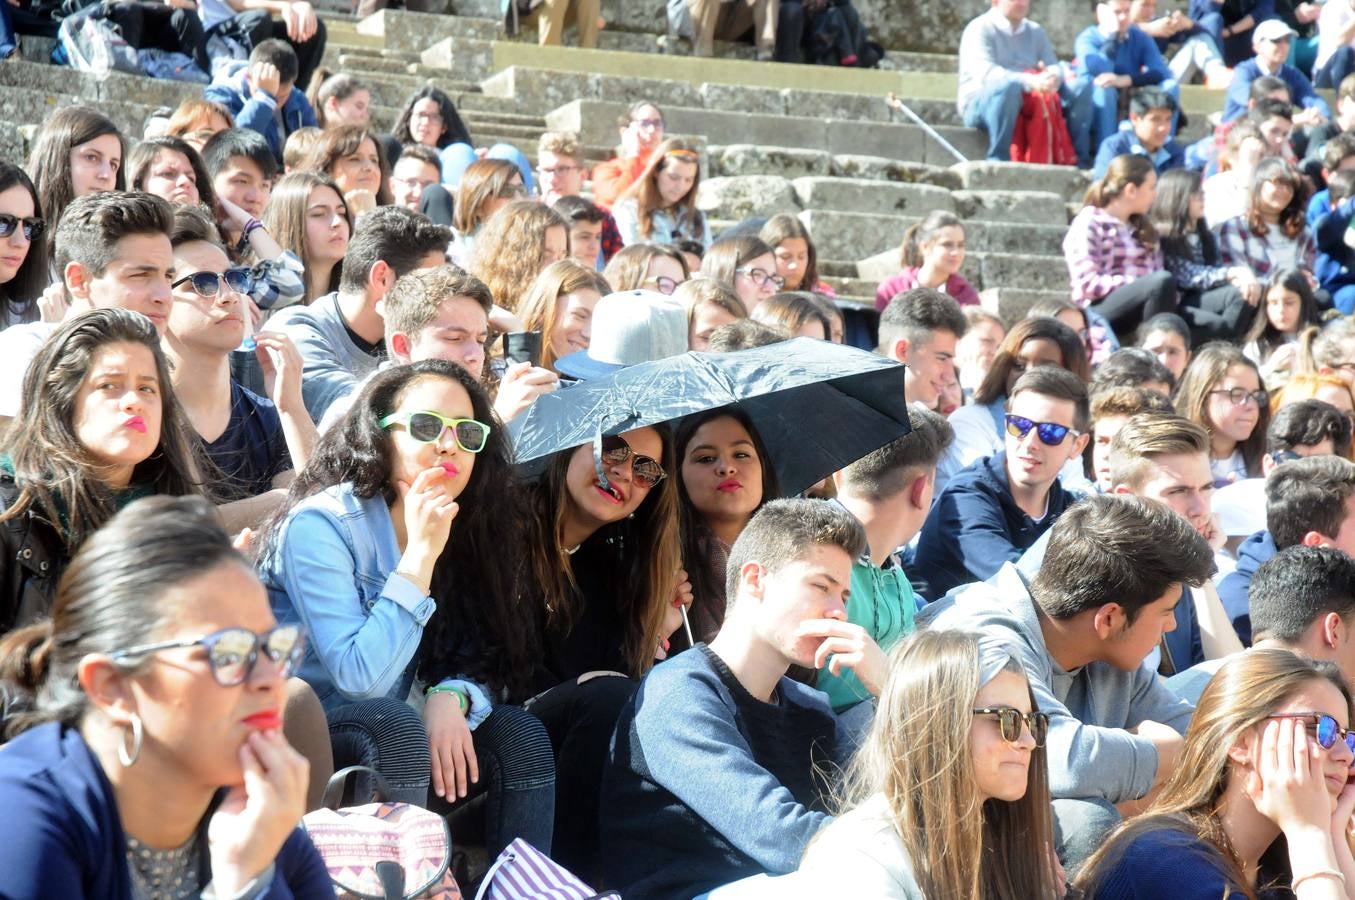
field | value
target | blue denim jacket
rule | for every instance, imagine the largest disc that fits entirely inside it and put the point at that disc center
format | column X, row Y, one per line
column 333, row 570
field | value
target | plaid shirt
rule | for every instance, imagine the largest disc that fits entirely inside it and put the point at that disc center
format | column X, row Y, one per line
column 1102, row 254
column 1240, row 246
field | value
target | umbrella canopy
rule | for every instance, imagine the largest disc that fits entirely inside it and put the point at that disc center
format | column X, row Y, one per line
column 818, row 406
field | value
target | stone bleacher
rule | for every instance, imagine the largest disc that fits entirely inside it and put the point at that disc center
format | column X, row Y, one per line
column 818, row 141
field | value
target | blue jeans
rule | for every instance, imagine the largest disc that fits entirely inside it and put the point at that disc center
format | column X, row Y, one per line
column 995, row 109
column 1341, row 64
column 1105, row 102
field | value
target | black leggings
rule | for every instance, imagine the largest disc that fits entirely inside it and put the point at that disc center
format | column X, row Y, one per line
column 516, row 764
column 580, row 719
column 1135, row 302
column 1217, row 314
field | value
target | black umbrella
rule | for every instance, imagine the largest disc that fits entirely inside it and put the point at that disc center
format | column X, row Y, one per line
column 817, row 406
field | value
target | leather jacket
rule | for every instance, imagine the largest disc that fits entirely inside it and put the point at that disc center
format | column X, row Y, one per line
column 32, row 558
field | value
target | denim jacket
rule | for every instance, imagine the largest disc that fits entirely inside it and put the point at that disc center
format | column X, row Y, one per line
column 333, row 570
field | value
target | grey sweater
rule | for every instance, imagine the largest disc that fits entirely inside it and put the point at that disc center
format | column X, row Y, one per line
column 1091, row 752
column 989, row 54
column 333, row 366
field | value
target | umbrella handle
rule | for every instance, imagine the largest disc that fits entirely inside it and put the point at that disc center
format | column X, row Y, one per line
column 687, row 627
column 597, row 458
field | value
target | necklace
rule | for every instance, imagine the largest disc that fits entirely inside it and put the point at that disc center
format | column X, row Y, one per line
column 164, row 874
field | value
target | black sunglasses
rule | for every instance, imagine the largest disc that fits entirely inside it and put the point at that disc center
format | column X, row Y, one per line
column 1324, row 728
column 1050, row 433
column 646, row 470
column 33, row 226
column 232, row 652
column 1009, row 720
column 208, row 284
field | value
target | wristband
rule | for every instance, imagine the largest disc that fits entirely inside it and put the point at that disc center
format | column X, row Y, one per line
column 250, row 227
column 448, row 689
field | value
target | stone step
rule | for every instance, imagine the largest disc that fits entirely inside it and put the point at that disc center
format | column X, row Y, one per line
column 415, row 31
column 1012, row 303
column 28, row 106
column 842, row 235
column 982, row 175
column 757, row 159
column 468, row 59
column 341, row 33
column 1030, row 276
column 595, row 121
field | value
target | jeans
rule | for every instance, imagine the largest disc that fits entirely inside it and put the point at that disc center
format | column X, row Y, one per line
column 385, row 734
column 995, row 109
column 1138, row 301
column 1341, row 64
column 1200, row 52
column 146, row 25
column 1343, row 298
column 260, row 25
column 17, row 20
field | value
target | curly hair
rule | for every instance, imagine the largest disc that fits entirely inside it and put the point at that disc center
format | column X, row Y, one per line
column 510, row 250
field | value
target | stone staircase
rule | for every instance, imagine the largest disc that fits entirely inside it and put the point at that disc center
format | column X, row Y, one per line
column 819, row 142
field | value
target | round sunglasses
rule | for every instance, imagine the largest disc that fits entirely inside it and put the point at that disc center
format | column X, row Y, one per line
column 1050, row 433
column 233, row 652
column 646, row 471
column 33, row 226
column 426, row 427
column 208, row 284
column 1323, row 727
column 1009, row 720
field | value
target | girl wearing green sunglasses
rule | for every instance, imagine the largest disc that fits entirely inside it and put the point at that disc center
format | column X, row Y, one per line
column 398, row 548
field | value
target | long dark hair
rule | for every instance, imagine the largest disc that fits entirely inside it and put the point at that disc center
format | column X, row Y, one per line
column 1170, row 216
column 1071, row 348
column 32, row 278
column 708, row 587
column 335, row 143
column 1294, row 281
column 141, row 159
column 54, row 472
column 648, row 557
column 479, row 629
column 50, row 162
column 110, row 598
column 453, row 129
column 1293, row 218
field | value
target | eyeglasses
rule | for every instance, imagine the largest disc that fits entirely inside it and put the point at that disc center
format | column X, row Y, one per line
column 1323, row 727
column 760, row 277
column 648, row 124
column 558, row 170
column 434, row 116
column 426, row 427
column 512, row 192
column 411, row 183
column 1050, row 433
column 665, row 284
column 1240, row 397
column 646, row 471
column 232, row 652
column 208, row 284
column 1009, row 720
column 1283, row 456
column 33, row 226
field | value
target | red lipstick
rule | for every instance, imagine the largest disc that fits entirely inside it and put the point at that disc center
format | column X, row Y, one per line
column 267, row 720
column 729, row 485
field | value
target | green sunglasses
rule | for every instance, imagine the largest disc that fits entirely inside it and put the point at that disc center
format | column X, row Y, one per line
column 426, row 426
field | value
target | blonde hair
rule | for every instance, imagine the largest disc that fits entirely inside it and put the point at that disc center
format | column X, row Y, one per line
column 1241, row 695
column 561, row 143
column 1148, row 435
column 510, row 247
column 1304, row 386
column 483, row 180
column 539, row 308
column 917, row 756
column 699, row 290
column 299, row 145
column 645, row 190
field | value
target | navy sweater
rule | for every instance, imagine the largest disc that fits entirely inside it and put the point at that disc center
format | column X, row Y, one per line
column 705, row 784
column 67, row 839
column 975, row 526
column 1234, row 587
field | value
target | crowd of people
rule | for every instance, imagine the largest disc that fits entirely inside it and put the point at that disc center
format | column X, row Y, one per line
column 1083, row 625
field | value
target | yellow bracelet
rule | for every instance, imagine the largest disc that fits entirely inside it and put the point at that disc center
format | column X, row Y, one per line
column 1320, row 873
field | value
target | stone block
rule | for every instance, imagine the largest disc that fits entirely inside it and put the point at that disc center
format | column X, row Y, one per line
column 530, row 92
column 936, row 27
column 1012, row 303
column 636, row 15
column 844, row 235
column 1011, row 206
column 879, row 266
column 985, row 175
column 878, row 168
column 413, row 31
column 737, row 98
column 464, row 59
column 745, row 196
column 1043, row 273
column 666, row 93
column 865, row 196
column 831, row 105
column 751, row 159
column 52, row 79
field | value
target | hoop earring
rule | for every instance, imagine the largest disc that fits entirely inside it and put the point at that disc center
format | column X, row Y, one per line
column 126, row 757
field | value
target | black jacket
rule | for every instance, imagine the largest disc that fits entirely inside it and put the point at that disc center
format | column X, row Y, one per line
column 32, row 558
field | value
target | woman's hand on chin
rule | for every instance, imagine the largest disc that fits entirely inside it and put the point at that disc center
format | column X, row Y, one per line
column 256, row 818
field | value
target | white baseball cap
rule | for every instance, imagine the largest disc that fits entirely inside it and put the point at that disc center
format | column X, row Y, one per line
column 628, row 327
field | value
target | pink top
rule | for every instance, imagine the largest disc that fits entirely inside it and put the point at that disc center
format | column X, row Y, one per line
column 955, row 285
column 1103, row 254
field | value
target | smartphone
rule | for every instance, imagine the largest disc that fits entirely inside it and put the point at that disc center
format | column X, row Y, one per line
column 522, row 346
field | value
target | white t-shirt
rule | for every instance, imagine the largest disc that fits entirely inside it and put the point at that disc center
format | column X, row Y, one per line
column 1334, row 18
column 18, row 345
